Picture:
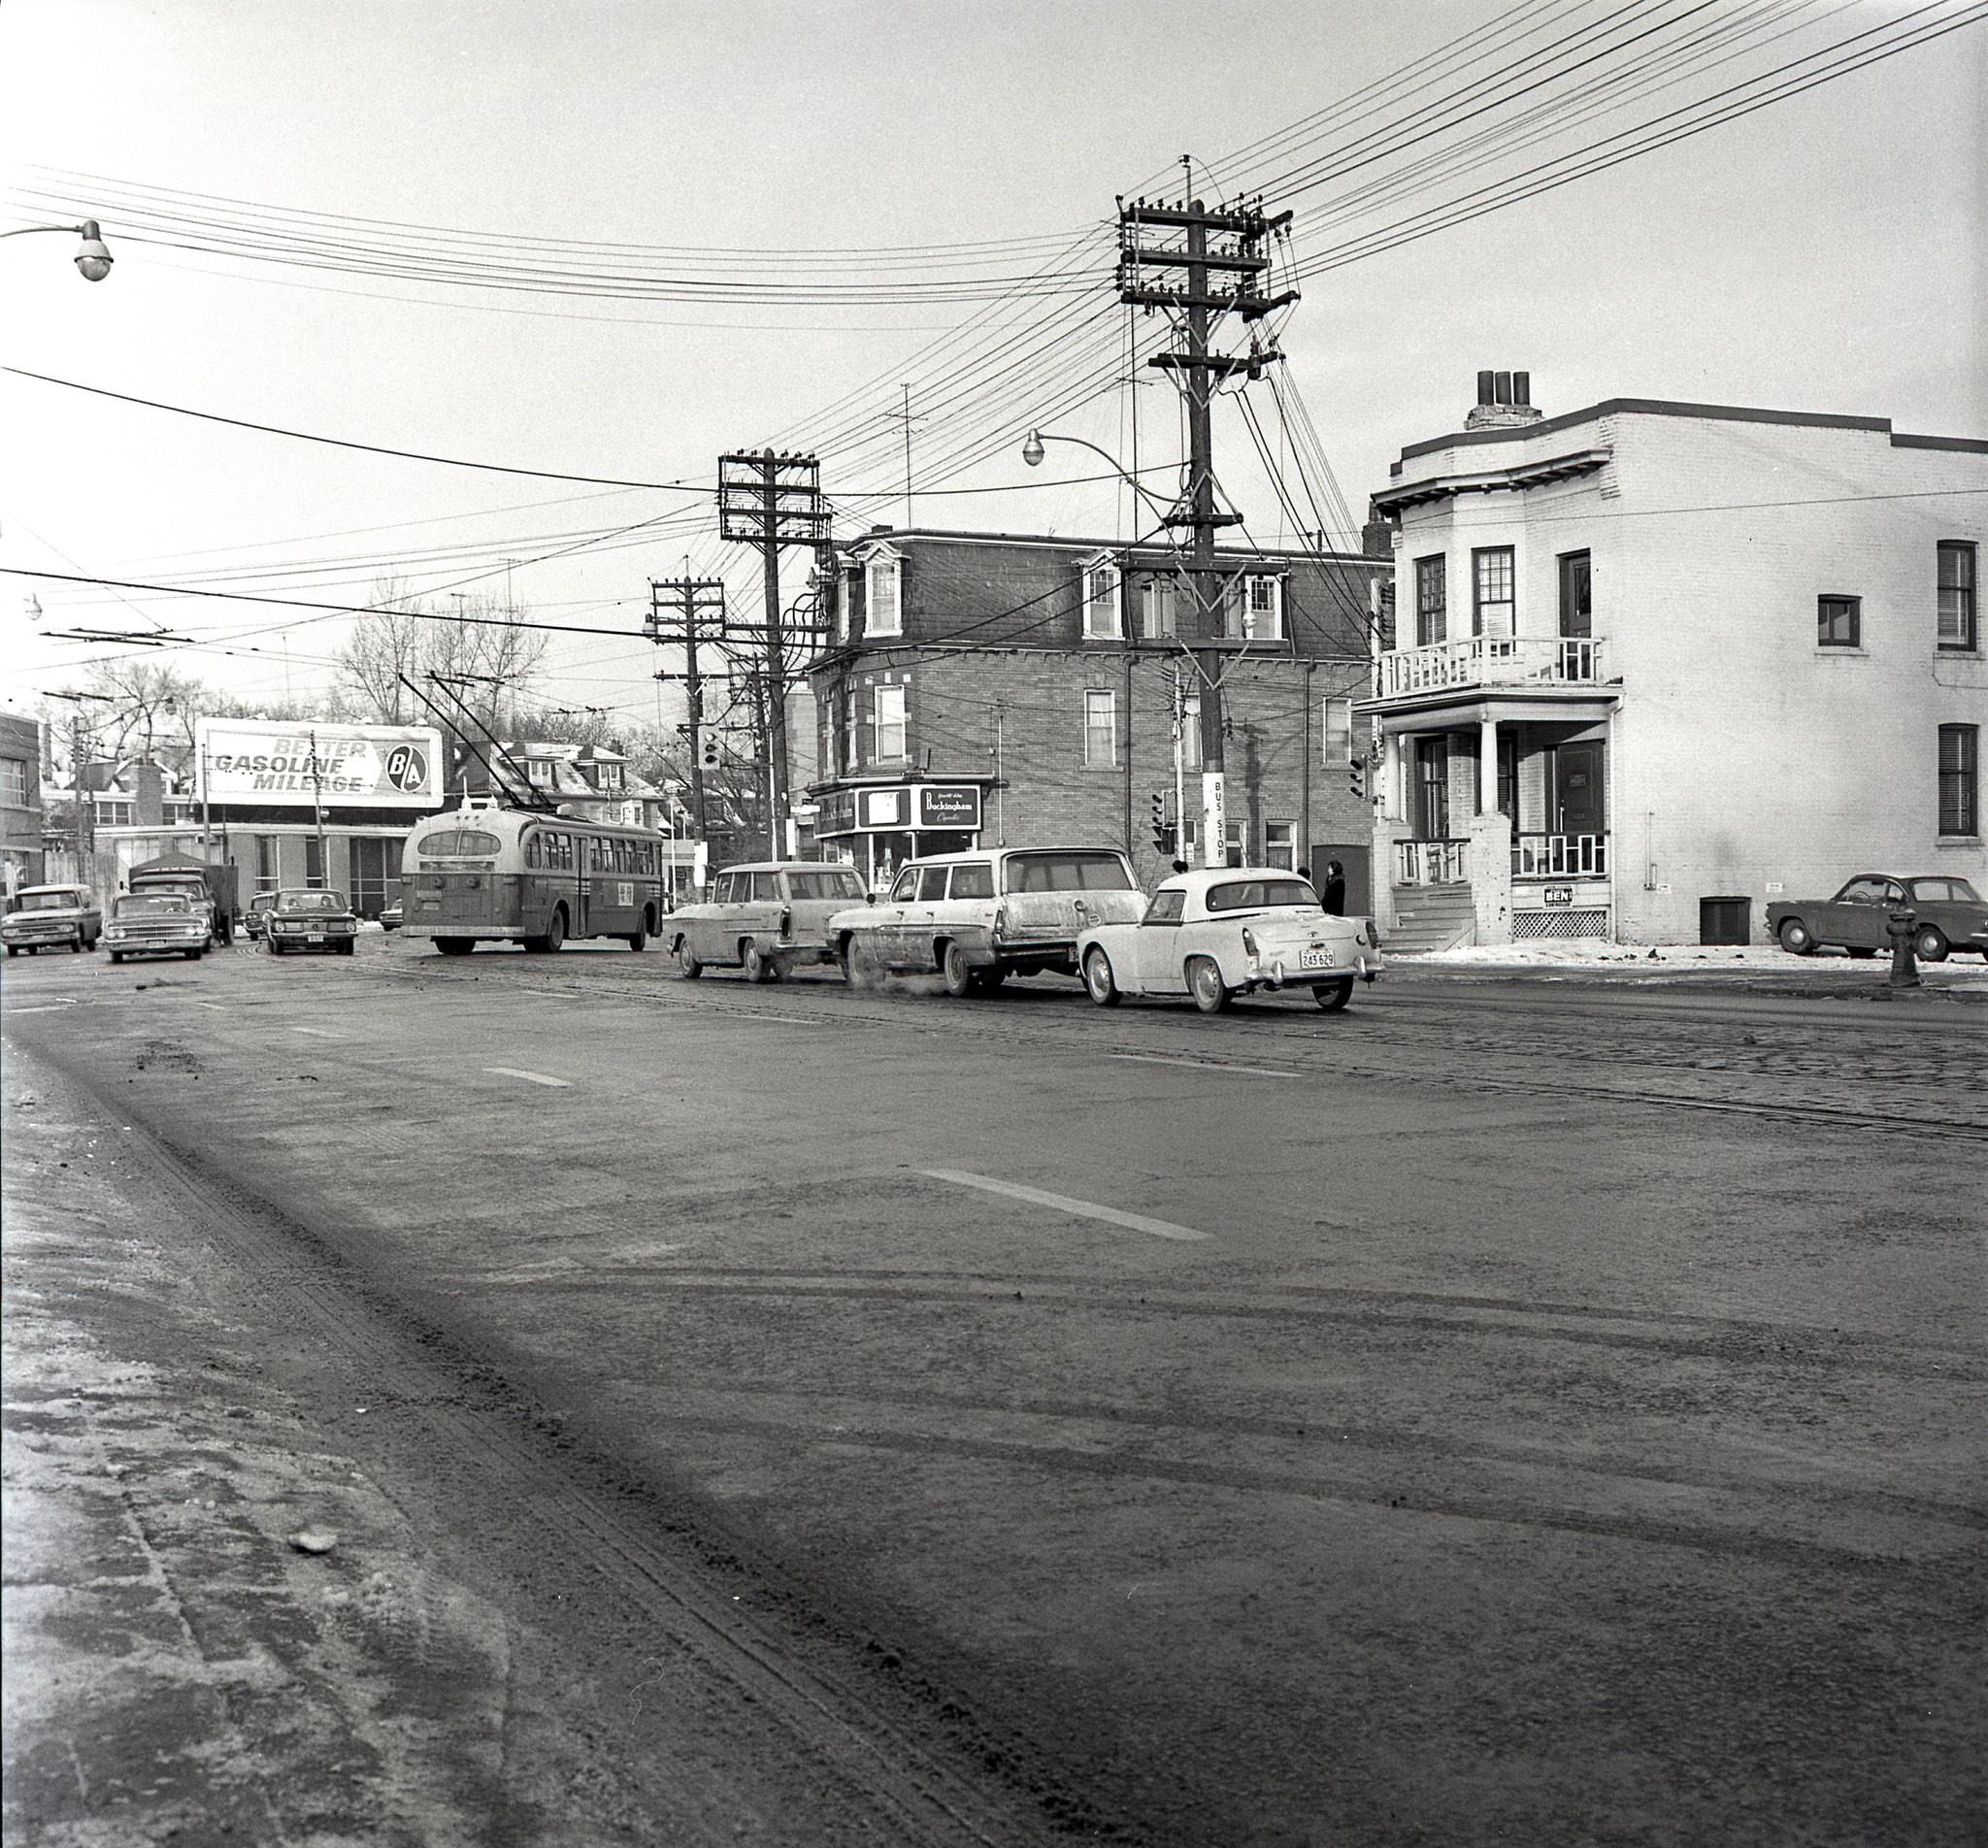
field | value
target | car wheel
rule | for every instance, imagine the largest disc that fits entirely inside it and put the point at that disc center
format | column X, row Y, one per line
column 956, row 970
column 1795, row 937
column 1098, row 979
column 1333, row 996
column 1862, row 954
column 759, row 966
column 1929, row 944
column 76, row 946
column 195, row 955
column 117, row 955
column 347, row 948
column 1205, row 984
column 447, row 945
column 13, row 949
column 688, row 965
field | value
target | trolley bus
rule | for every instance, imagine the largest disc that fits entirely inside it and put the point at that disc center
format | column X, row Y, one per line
column 517, row 876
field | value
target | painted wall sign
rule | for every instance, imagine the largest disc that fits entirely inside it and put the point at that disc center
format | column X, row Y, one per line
column 1559, row 895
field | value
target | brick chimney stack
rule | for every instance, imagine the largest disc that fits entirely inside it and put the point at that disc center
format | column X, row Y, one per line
column 1504, row 402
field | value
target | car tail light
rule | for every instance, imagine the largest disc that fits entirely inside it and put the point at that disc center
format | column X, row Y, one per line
column 1249, row 942
column 1001, row 918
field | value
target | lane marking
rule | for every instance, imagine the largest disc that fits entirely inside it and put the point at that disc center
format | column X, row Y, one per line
column 49, row 1007
column 216, row 1006
column 1063, row 1203
column 1204, row 1065
column 316, row 1033
column 530, row 1077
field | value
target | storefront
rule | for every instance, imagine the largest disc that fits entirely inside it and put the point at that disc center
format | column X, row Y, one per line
column 876, row 827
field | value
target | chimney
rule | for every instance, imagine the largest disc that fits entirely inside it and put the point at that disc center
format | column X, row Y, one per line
column 1504, row 402
column 148, row 788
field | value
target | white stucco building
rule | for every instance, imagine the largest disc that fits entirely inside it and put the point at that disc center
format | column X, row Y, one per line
column 1658, row 663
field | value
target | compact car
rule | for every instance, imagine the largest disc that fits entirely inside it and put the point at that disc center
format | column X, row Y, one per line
column 1229, row 931
column 765, row 918
column 156, row 924
column 45, row 916
column 314, row 919
column 255, row 913
column 982, row 916
column 1950, row 915
column 390, row 916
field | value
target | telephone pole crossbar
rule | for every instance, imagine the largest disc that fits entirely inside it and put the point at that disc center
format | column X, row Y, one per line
column 686, row 610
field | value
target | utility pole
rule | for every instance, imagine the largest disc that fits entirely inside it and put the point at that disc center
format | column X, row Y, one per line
column 770, row 501
column 685, row 610
column 318, row 809
column 1198, row 372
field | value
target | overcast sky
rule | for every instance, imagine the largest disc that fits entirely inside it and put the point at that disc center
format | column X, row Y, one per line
column 1825, row 254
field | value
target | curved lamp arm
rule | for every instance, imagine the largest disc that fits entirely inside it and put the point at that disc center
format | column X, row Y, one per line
column 1032, row 454
column 94, row 259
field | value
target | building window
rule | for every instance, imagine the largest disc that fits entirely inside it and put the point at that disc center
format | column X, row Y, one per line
column 1101, row 585
column 1960, row 779
column 844, row 603
column 1162, row 620
column 851, row 748
column 13, row 782
column 1280, row 845
column 1491, row 591
column 1958, row 629
column 1235, row 844
column 1100, row 728
column 314, row 861
column 116, row 814
column 538, row 771
column 884, row 613
column 1253, row 609
column 1839, row 622
column 890, row 725
column 1334, row 733
column 1190, row 731
column 1576, row 594
column 268, row 865
column 1432, row 601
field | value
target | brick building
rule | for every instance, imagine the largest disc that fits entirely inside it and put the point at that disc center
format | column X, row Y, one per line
column 992, row 689
column 20, row 803
column 1661, row 663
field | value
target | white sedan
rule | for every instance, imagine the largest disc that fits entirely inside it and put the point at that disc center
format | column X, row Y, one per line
column 1229, row 931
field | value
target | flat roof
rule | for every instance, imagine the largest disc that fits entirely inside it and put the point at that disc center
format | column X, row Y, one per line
column 1136, row 546
column 1670, row 408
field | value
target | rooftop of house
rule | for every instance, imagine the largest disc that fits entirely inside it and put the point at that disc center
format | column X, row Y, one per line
column 1085, row 546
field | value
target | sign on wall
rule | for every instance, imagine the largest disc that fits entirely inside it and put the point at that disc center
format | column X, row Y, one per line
column 265, row 764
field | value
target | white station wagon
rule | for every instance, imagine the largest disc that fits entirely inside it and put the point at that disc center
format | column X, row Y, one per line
column 1228, row 931
column 979, row 917
column 765, row 920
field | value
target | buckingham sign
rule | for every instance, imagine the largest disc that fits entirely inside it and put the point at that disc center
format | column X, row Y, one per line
column 255, row 763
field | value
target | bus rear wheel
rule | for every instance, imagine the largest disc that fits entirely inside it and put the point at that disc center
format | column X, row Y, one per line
column 637, row 939
column 450, row 945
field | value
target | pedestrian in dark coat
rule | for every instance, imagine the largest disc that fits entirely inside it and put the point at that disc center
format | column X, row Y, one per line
column 1331, row 889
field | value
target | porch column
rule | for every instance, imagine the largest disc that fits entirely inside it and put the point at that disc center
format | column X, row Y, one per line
column 1487, row 766
column 1394, row 794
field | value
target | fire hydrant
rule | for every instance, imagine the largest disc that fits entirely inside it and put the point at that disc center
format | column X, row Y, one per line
column 1901, row 927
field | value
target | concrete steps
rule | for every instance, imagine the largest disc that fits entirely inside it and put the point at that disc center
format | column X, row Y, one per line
column 1431, row 917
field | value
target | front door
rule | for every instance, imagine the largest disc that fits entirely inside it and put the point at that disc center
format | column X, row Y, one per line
column 370, row 875
column 1578, row 805
column 1156, row 949
column 1432, row 788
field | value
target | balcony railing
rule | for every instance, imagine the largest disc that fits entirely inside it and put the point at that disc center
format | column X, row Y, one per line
column 1560, row 856
column 1492, row 661
column 1429, row 862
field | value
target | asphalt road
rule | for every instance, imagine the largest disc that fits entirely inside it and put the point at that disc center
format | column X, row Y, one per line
column 1504, row 1412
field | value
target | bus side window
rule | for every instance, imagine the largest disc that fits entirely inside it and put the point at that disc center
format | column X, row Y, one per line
column 531, row 849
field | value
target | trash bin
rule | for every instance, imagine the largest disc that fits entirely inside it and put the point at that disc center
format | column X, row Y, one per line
column 1725, row 920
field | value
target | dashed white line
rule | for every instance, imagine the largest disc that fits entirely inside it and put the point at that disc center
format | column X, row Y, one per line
column 1063, row 1203
column 317, row 1033
column 218, row 1007
column 530, row 1077
column 50, row 1007
column 1206, row 1065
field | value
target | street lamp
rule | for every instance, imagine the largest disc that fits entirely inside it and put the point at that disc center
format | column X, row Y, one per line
column 1032, row 454
column 94, row 259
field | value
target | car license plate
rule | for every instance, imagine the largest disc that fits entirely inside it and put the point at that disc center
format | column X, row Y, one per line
column 1315, row 958
column 315, row 937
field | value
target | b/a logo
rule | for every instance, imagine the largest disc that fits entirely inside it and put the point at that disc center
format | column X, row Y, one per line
column 406, row 768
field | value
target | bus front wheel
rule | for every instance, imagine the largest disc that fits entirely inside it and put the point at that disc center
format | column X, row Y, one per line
column 554, row 938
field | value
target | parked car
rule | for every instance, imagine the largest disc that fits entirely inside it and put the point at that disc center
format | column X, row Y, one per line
column 389, row 916
column 313, row 919
column 1951, row 915
column 256, row 914
column 765, row 918
column 1229, row 931
column 156, row 924
column 42, row 916
column 979, row 917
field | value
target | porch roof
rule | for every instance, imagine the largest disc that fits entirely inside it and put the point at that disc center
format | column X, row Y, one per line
column 1450, row 712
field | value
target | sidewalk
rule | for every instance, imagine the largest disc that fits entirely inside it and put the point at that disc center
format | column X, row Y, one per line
column 1766, row 967
column 176, row 1670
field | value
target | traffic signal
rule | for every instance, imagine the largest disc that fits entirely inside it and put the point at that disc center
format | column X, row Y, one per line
column 708, row 756
column 1162, row 829
column 1356, row 777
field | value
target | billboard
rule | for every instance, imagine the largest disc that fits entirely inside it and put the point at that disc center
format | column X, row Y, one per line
column 266, row 763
